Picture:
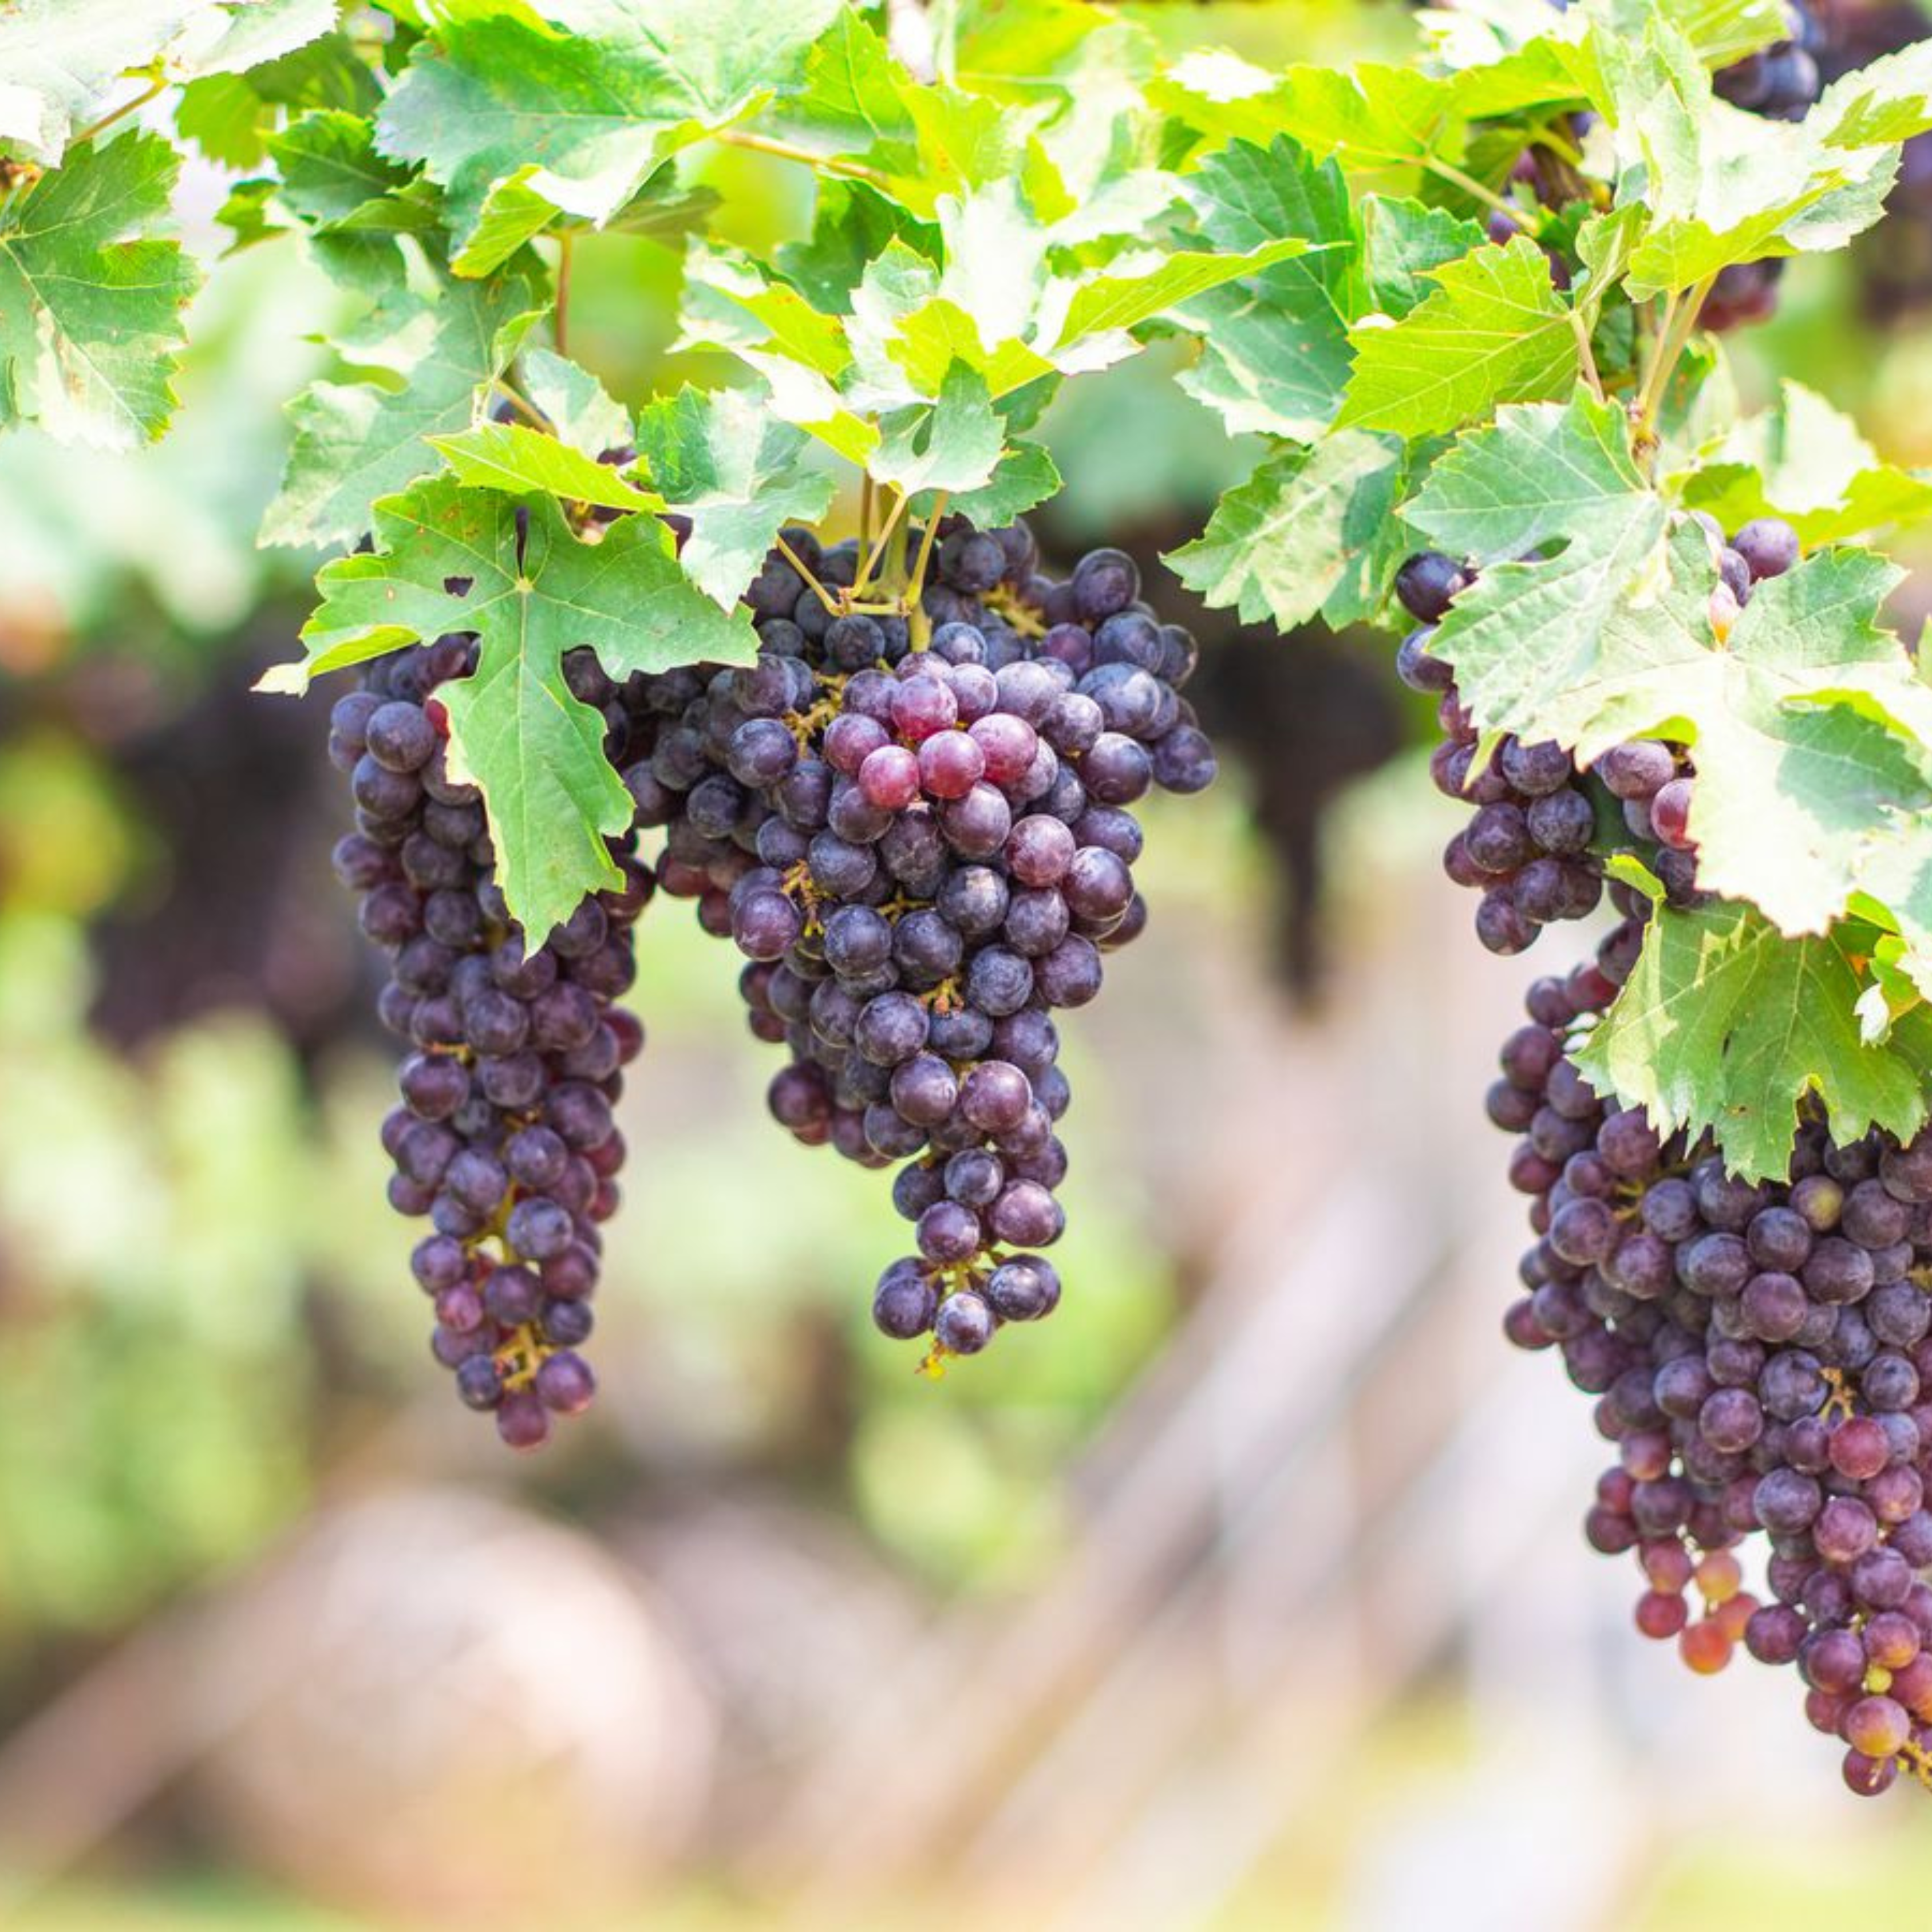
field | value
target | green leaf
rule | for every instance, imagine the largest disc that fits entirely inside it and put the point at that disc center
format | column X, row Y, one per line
column 851, row 91
column 1403, row 243
column 1723, row 186
column 718, row 458
column 246, row 213
column 1110, row 302
column 356, row 442
column 1494, row 330
column 517, row 459
column 531, row 592
column 244, row 35
column 730, row 303
column 1889, row 99
column 853, row 224
column 1027, row 476
column 954, row 444
column 1724, row 1025
column 328, row 165
column 1274, row 347
column 513, row 212
column 1805, row 461
column 576, row 403
column 1367, row 116
column 1311, row 529
column 963, row 142
column 578, row 119
column 1806, row 719
column 224, row 117
column 60, row 60
column 90, row 302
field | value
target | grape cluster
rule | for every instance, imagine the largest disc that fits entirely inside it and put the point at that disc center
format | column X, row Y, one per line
column 1760, row 1357
column 1535, row 845
column 917, row 831
column 505, row 1139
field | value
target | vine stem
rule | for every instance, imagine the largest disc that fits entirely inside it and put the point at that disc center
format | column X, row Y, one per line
column 885, row 528
column 866, row 509
column 560, row 327
column 804, row 569
column 787, row 150
column 156, row 86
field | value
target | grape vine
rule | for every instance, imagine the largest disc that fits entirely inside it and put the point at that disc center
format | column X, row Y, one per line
column 1473, row 310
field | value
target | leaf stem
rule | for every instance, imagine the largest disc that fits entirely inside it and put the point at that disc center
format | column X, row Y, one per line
column 866, row 507
column 871, row 563
column 1680, row 320
column 1469, row 183
column 788, row 150
column 1560, row 144
column 523, row 406
column 560, row 324
column 916, row 589
column 1585, row 355
column 157, row 85
column 804, row 569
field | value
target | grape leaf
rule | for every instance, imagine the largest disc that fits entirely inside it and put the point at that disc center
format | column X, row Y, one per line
column 853, row 225
column 1494, row 330
column 1525, row 636
column 575, row 402
column 90, row 300
column 1804, row 461
column 1895, row 889
column 517, row 460
column 1802, row 719
column 851, row 91
column 1889, row 99
column 1402, row 241
column 506, row 115
column 225, row 118
column 355, row 442
column 1367, row 116
column 1724, row 1025
column 60, row 58
column 1312, row 530
column 1105, row 304
column 718, row 458
column 1027, row 476
column 954, row 444
column 531, row 592
column 1274, row 346
column 917, row 144
column 1723, row 186
column 328, row 166
column 244, row 35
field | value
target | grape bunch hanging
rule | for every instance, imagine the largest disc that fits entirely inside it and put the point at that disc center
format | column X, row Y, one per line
column 912, row 816
column 1758, row 1353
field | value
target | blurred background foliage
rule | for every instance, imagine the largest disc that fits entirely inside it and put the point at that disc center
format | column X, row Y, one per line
column 215, row 1364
